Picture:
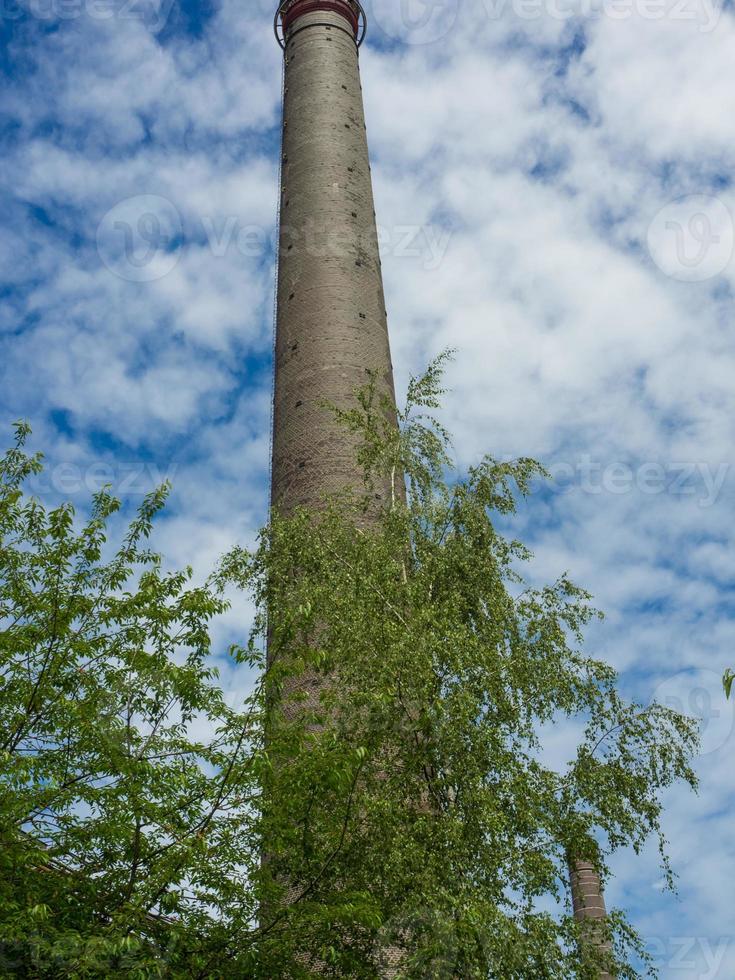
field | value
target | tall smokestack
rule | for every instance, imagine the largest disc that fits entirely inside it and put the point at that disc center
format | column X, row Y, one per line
column 331, row 321
column 331, row 317
column 588, row 900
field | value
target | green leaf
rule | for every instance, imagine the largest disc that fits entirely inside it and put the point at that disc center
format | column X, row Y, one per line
column 728, row 680
column 376, row 781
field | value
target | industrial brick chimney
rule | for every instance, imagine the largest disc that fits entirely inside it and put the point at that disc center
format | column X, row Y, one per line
column 331, row 317
column 331, row 322
column 588, row 900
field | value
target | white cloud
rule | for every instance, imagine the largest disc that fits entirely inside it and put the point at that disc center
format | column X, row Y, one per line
column 544, row 146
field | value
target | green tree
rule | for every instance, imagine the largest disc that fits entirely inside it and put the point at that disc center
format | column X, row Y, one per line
column 411, row 807
column 124, row 837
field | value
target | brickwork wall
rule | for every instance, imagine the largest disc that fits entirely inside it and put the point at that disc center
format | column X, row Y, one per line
column 589, row 902
column 331, row 317
column 331, row 323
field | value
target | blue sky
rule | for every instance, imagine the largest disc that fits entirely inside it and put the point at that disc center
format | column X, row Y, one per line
column 553, row 184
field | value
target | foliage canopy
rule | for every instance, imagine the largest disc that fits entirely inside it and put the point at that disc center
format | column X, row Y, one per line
column 412, row 805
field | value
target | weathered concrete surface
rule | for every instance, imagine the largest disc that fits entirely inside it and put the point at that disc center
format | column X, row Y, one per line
column 331, row 318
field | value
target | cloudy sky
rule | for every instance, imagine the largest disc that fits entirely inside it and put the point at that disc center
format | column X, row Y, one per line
column 553, row 183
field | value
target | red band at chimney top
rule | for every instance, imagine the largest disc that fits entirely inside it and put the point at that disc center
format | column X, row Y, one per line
column 297, row 9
